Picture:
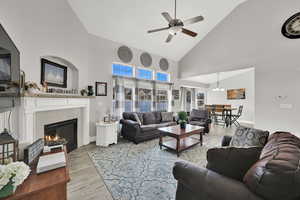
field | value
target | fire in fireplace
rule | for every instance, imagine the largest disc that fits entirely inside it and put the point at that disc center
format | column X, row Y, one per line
column 64, row 132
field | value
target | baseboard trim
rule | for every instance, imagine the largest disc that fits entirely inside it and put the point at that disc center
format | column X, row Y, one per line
column 246, row 122
column 92, row 138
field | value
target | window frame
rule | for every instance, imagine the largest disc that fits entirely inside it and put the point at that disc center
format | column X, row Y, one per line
column 143, row 68
column 123, row 64
column 168, row 77
column 163, row 101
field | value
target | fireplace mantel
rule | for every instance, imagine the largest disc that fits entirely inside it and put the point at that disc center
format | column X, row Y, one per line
column 30, row 106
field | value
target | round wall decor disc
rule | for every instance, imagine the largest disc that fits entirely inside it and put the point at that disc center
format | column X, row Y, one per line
column 146, row 59
column 125, row 54
column 164, row 64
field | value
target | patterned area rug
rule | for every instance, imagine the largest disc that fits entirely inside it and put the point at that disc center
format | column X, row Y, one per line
column 143, row 171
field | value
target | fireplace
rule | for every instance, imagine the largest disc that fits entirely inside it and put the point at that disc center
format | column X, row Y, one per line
column 61, row 132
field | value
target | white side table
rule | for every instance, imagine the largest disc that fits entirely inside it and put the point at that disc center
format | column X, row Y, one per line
column 107, row 133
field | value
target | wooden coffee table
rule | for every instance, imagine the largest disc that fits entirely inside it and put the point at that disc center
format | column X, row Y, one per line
column 182, row 137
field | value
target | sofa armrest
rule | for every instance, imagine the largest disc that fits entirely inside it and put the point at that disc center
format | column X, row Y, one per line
column 129, row 128
column 129, row 122
column 208, row 185
column 226, row 141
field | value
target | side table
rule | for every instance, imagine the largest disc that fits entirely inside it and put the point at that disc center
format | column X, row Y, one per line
column 107, row 133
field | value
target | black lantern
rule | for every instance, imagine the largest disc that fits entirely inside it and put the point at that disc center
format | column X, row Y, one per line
column 8, row 148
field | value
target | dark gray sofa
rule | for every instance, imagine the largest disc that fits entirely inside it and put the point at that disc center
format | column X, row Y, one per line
column 144, row 129
column 274, row 175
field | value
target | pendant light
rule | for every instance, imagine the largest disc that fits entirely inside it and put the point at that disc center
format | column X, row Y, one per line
column 218, row 88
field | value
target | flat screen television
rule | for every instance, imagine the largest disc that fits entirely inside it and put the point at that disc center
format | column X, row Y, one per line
column 9, row 72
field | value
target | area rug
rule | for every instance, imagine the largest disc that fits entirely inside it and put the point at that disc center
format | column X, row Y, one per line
column 144, row 171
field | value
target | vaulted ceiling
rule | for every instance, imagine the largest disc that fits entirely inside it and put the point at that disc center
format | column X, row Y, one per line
column 127, row 22
column 213, row 77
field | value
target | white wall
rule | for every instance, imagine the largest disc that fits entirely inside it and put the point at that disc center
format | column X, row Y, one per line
column 244, row 80
column 51, row 28
column 251, row 36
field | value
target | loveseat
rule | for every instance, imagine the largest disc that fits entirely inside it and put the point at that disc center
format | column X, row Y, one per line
column 139, row 127
column 270, row 172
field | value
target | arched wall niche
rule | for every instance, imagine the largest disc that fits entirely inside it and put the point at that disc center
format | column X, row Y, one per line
column 73, row 74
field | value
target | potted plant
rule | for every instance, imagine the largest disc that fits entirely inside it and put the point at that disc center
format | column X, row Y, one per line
column 11, row 176
column 182, row 119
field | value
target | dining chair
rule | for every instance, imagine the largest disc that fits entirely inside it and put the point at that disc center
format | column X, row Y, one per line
column 237, row 116
column 219, row 114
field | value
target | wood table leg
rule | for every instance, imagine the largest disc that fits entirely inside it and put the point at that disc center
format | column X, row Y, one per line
column 178, row 146
column 230, row 116
column 160, row 140
column 201, row 138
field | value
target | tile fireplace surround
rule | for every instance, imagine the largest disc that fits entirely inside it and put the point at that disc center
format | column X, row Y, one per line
column 30, row 106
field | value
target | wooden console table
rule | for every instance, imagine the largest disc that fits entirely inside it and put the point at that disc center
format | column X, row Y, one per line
column 51, row 185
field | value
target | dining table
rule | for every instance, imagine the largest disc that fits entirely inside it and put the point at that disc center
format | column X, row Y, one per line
column 226, row 111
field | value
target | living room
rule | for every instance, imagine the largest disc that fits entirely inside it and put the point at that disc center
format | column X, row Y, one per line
column 135, row 101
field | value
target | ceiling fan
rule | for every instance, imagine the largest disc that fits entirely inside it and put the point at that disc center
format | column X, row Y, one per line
column 177, row 25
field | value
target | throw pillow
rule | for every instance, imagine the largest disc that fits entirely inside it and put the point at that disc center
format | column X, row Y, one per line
column 140, row 115
column 137, row 119
column 167, row 116
column 157, row 116
column 149, row 118
column 248, row 137
column 232, row 162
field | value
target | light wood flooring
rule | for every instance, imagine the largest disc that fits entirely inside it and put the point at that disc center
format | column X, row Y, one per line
column 87, row 184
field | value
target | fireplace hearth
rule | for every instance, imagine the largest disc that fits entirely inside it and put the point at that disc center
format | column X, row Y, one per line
column 64, row 132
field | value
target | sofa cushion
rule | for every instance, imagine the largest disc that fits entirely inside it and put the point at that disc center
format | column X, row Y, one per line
column 232, row 162
column 132, row 116
column 128, row 116
column 150, row 127
column 137, row 119
column 247, row 137
column 140, row 115
column 157, row 115
column 149, row 118
column 276, row 176
column 166, row 116
column 165, row 124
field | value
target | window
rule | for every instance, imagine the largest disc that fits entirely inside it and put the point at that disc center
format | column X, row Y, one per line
column 162, row 100
column 163, row 77
column 144, row 74
column 200, row 100
column 128, row 100
column 122, row 70
column 188, row 101
column 145, row 99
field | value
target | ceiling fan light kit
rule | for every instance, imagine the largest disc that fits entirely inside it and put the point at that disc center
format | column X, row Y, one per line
column 176, row 25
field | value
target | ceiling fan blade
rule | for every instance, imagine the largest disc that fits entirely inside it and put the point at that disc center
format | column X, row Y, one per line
column 188, row 32
column 193, row 20
column 167, row 16
column 159, row 29
column 169, row 38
